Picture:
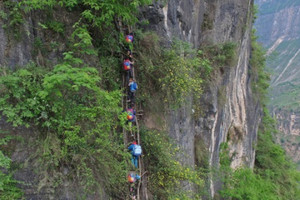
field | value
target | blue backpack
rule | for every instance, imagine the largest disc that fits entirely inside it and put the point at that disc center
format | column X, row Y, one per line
column 133, row 87
column 137, row 150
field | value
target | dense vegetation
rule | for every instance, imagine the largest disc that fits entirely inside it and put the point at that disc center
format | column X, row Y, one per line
column 273, row 177
column 8, row 186
column 73, row 105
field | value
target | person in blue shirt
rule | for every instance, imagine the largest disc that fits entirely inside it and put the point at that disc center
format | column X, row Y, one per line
column 135, row 151
column 131, row 91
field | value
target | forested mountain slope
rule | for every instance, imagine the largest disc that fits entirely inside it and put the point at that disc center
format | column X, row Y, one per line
column 279, row 31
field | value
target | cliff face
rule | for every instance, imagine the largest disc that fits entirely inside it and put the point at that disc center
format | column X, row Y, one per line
column 288, row 123
column 230, row 113
column 278, row 28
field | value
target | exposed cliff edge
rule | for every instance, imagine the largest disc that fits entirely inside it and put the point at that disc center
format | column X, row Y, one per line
column 230, row 114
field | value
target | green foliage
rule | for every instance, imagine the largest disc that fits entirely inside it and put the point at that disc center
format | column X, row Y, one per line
column 243, row 184
column 260, row 78
column 272, row 164
column 78, row 122
column 165, row 173
column 221, row 54
column 8, row 186
column 54, row 26
column 274, row 176
column 97, row 13
column 172, row 74
column 207, row 23
column 12, row 17
column 82, row 41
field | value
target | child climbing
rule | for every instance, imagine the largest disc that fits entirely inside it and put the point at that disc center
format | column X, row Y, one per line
column 129, row 53
column 131, row 114
column 127, row 66
column 132, row 90
column 132, row 178
column 136, row 152
column 129, row 38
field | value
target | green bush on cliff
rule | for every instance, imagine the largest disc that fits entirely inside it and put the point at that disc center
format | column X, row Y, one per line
column 171, row 74
column 8, row 186
column 272, row 164
column 78, row 121
column 165, row 173
column 242, row 183
column 260, row 78
column 220, row 54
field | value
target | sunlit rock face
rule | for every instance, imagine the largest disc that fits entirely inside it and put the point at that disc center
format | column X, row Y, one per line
column 230, row 114
column 229, row 111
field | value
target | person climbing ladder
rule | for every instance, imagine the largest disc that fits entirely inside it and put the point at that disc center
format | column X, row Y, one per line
column 132, row 90
column 129, row 38
column 135, row 147
column 131, row 114
column 127, row 66
column 136, row 152
column 132, row 179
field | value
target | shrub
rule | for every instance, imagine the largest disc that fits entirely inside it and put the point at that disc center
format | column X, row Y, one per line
column 8, row 185
column 165, row 173
column 171, row 74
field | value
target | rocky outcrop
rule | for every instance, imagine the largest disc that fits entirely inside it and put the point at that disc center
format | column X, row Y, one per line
column 230, row 112
column 288, row 123
column 12, row 52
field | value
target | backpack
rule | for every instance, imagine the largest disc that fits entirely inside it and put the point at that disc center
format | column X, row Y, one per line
column 129, row 38
column 131, row 178
column 133, row 87
column 130, row 116
column 137, row 150
column 126, row 65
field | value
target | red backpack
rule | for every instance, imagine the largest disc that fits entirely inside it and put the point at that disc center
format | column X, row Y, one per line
column 126, row 65
column 129, row 38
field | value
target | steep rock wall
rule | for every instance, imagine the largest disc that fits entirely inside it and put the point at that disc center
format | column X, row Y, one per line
column 288, row 123
column 230, row 112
